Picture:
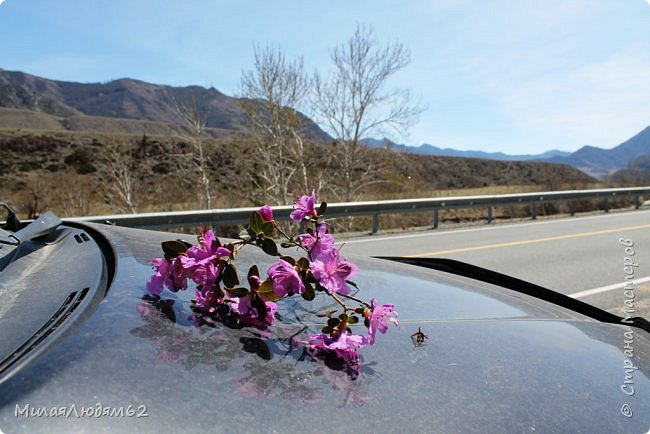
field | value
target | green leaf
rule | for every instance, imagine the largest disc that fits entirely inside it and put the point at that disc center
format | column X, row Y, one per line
column 173, row 249
column 259, row 305
column 327, row 330
column 266, row 291
column 237, row 292
column 323, row 208
column 343, row 317
column 229, row 276
column 309, row 294
column 244, row 235
column 269, row 247
column 255, row 222
column 353, row 320
column 303, row 263
column 253, row 271
column 288, row 259
column 333, row 322
column 267, row 228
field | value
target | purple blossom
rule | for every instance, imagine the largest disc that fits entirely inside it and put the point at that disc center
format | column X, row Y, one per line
column 267, row 213
column 286, row 280
column 208, row 299
column 168, row 273
column 199, row 259
column 379, row 319
column 304, row 207
column 343, row 347
column 331, row 273
column 242, row 306
column 317, row 244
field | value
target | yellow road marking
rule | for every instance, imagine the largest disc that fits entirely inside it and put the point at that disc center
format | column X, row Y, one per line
column 523, row 242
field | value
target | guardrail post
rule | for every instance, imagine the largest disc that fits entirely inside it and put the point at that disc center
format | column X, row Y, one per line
column 435, row 218
column 573, row 208
column 606, row 205
column 375, row 223
column 637, row 202
column 489, row 210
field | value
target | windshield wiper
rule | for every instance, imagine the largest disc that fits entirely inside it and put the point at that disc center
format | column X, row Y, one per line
column 14, row 235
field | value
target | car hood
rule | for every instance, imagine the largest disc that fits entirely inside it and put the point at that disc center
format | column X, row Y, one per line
column 494, row 361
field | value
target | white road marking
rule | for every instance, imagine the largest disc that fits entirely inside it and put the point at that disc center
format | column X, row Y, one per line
column 589, row 292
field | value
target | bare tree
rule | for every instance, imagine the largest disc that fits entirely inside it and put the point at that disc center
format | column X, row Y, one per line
column 74, row 199
column 117, row 175
column 351, row 103
column 271, row 92
column 194, row 118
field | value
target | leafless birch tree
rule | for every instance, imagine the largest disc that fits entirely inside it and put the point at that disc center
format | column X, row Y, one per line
column 351, row 103
column 194, row 118
column 271, row 91
column 117, row 176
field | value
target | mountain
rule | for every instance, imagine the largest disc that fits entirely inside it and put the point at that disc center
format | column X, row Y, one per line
column 590, row 159
column 125, row 99
column 599, row 162
column 427, row 149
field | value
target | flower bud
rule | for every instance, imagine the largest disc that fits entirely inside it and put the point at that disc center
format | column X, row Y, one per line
column 267, row 213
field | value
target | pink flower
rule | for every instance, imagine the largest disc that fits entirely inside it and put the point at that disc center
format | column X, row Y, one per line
column 331, row 273
column 242, row 306
column 267, row 213
column 208, row 299
column 304, row 207
column 198, row 261
column 379, row 319
column 168, row 273
column 286, row 280
column 317, row 244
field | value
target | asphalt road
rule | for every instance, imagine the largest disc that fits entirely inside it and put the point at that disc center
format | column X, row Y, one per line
column 578, row 256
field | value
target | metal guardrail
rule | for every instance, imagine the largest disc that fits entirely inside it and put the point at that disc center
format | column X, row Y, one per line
column 167, row 220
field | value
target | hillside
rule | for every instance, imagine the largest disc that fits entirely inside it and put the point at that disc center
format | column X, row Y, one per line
column 70, row 172
column 124, row 99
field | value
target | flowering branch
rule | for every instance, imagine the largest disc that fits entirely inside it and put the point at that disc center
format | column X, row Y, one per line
column 210, row 265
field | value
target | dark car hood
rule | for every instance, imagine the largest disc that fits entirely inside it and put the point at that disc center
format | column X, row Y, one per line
column 494, row 361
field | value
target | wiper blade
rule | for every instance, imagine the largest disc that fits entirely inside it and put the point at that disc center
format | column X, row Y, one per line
column 43, row 225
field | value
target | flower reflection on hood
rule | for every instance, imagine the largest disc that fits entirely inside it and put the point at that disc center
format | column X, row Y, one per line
column 168, row 273
column 379, row 318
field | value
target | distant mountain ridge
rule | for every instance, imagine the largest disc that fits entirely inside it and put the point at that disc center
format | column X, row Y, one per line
column 427, row 149
column 599, row 162
column 590, row 159
column 126, row 99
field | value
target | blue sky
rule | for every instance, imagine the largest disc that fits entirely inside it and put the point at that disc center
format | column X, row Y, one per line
column 498, row 75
